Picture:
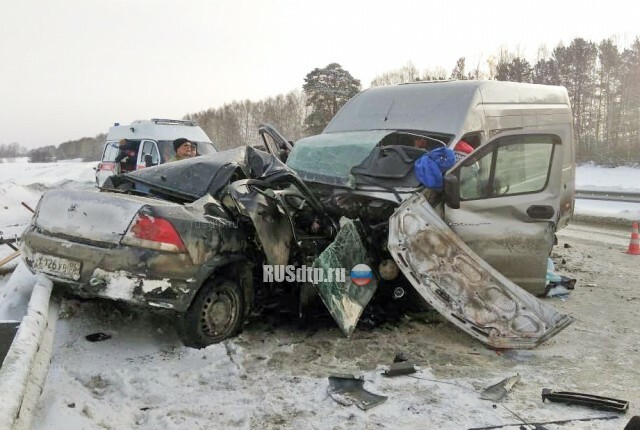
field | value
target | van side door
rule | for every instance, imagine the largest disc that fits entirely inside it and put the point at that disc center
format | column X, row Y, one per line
column 509, row 203
column 150, row 149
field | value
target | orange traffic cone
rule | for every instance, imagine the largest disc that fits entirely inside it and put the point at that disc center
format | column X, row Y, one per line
column 634, row 245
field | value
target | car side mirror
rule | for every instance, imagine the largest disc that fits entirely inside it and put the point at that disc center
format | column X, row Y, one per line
column 148, row 162
column 452, row 191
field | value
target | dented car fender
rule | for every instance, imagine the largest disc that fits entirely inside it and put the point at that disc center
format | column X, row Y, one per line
column 271, row 222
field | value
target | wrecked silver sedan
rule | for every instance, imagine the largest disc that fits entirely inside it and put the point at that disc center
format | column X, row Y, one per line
column 184, row 236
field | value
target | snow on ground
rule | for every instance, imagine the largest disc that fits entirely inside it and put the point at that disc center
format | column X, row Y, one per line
column 48, row 174
column 21, row 181
column 599, row 208
column 207, row 387
column 591, row 177
column 13, row 216
column 275, row 376
column 15, row 292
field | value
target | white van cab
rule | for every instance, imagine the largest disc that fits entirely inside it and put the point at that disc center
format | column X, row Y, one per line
column 505, row 200
column 151, row 142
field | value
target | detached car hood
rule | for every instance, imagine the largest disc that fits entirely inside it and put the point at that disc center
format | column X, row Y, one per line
column 463, row 287
column 208, row 174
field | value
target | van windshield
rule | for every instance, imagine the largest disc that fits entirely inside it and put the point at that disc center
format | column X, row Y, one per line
column 329, row 158
column 167, row 151
column 359, row 157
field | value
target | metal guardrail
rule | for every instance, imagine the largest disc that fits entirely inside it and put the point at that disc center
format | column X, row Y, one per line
column 24, row 369
column 616, row 196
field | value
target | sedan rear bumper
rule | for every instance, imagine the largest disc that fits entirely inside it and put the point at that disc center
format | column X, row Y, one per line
column 134, row 275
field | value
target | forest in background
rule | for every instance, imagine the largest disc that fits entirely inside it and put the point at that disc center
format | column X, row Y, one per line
column 602, row 79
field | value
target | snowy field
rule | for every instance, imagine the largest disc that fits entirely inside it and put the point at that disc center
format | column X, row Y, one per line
column 274, row 375
column 21, row 181
column 590, row 177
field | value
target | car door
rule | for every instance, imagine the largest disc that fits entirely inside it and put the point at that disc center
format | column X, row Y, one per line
column 149, row 155
column 509, row 204
column 274, row 142
column 107, row 166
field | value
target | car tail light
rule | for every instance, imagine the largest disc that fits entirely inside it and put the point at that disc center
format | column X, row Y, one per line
column 106, row 166
column 155, row 233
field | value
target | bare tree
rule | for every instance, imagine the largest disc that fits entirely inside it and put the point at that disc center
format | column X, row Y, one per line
column 458, row 71
column 406, row 73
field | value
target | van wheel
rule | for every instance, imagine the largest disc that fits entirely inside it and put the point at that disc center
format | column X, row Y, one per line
column 216, row 314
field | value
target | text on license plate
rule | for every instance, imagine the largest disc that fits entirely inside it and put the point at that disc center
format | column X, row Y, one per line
column 57, row 266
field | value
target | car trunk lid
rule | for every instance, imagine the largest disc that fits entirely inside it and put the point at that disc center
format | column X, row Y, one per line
column 88, row 215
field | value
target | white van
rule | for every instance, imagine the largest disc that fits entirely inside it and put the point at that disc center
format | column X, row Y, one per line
column 152, row 141
column 506, row 199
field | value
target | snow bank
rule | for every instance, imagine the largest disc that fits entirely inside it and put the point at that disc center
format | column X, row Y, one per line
column 47, row 174
column 18, row 367
column 604, row 209
column 15, row 294
column 39, row 370
column 591, row 177
column 143, row 378
column 13, row 216
column 180, row 388
column 14, row 160
column 21, row 181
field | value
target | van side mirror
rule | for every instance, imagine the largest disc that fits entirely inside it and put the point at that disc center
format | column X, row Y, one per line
column 452, row 191
column 148, row 161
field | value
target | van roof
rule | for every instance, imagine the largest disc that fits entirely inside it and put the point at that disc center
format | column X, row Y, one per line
column 438, row 106
column 498, row 91
column 158, row 129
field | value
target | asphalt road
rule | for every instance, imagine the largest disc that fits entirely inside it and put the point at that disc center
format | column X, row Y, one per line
column 7, row 332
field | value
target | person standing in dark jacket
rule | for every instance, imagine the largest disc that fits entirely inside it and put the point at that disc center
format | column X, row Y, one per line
column 127, row 155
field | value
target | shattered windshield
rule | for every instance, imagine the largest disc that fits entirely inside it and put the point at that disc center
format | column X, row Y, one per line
column 329, row 157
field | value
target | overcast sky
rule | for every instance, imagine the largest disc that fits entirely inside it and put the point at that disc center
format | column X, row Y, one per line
column 72, row 68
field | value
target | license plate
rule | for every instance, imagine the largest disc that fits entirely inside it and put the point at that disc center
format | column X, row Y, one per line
column 57, row 266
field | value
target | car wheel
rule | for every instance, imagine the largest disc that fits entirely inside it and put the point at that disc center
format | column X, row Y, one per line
column 216, row 314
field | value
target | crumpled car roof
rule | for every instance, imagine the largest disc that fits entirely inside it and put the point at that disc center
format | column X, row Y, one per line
column 208, row 174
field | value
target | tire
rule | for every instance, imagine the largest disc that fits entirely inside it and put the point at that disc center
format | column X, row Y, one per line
column 216, row 314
